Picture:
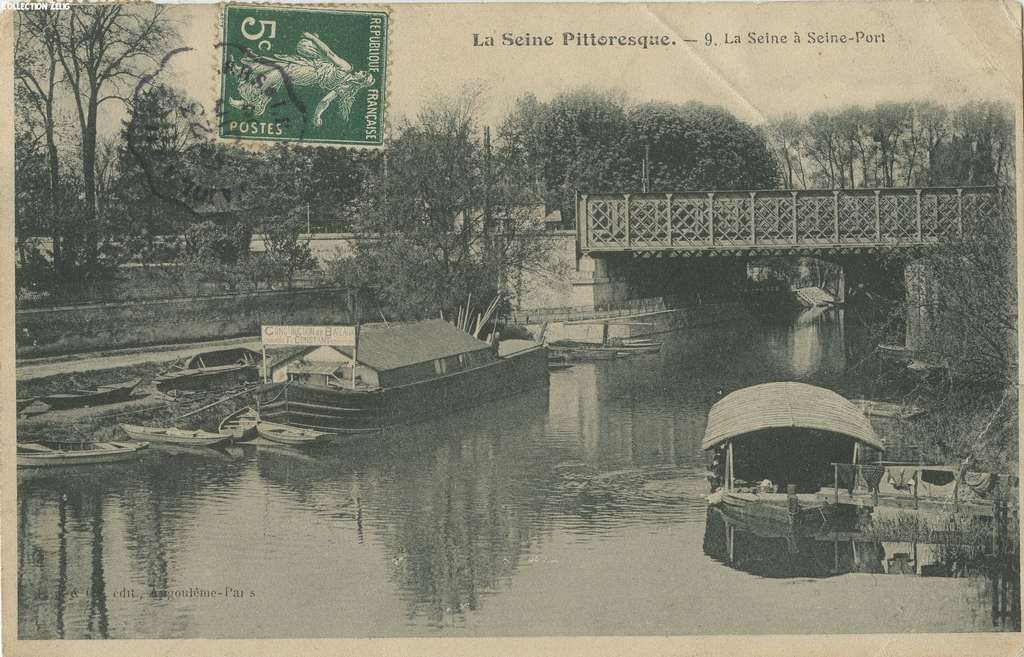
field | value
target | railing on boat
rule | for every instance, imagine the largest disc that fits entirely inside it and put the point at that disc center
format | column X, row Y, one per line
column 910, row 477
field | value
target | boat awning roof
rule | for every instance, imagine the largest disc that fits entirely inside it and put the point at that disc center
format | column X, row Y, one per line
column 786, row 405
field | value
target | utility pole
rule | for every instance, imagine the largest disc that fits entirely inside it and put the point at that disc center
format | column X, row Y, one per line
column 488, row 215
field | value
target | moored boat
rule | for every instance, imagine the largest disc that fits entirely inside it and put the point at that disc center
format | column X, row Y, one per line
column 240, row 425
column 404, row 373
column 289, row 435
column 775, row 445
column 235, row 365
column 171, row 435
column 106, row 394
column 40, row 454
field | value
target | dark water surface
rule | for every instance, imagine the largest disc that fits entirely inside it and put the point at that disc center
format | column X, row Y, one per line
column 578, row 511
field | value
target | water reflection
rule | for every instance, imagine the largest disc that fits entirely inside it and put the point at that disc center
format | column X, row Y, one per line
column 576, row 510
column 751, row 549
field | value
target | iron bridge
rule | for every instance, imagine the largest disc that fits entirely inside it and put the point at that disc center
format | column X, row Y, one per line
column 778, row 222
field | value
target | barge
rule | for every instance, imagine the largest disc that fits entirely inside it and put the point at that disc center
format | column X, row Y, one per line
column 399, row 373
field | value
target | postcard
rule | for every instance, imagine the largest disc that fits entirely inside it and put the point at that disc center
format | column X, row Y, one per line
column 511, row 329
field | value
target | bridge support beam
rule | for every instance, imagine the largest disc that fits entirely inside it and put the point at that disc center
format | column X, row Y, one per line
column 597, row 283
column 921, row 299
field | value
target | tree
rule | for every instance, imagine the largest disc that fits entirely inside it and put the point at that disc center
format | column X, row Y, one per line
column 37, row 74
column 784, row 136
column 974, row 300
column 213, row 253
column 286, row 251
column 886, row 124
column 574, row 142
column 101, row 49
column 590, row 142
column 447, row 221
column 695, row 146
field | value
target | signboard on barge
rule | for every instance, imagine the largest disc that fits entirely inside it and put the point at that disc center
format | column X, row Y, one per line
column 308, row 336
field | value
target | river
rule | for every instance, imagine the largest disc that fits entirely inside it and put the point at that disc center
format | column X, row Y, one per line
column 575, row 511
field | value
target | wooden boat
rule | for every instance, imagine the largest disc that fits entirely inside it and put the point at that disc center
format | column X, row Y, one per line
column 289, row 435
column 775, row 446
column 592, row 351
column 171, row 435
column 202, row 370
column 39, row 454
column 240, row 425
column 107, row 394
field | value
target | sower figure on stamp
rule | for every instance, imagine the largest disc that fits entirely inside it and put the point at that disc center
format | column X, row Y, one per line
column 314, row 64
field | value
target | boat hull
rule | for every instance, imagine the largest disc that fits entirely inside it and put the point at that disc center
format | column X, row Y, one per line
column 101, row 453
column 282, row 435
column 772, row 512
column 346, row 411
column 195, row 379
column 173, row 437
column 102, row 395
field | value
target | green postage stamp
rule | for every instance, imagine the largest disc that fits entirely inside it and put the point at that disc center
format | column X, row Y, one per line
column 303, row 75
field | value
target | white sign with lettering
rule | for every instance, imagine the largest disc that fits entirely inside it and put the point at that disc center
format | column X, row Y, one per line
column 309, row 336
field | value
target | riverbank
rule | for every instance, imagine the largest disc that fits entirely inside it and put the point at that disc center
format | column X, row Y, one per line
column 969, row 422
column 45, row 332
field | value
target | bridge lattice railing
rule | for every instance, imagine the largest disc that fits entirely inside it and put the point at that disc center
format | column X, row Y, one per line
column 825, row 218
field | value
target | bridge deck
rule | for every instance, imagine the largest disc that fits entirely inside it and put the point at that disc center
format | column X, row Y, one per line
column 789, row 221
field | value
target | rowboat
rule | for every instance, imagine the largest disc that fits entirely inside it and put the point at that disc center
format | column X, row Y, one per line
column 106, row 394
column 571, row 350
column 173, row 436
column 291, row 435
column 775, row 445
column 38, row 454
column 236, row 365
column 240, row 425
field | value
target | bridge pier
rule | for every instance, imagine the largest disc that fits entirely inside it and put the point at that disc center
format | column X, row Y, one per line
column 921, row 303
column 599, row 282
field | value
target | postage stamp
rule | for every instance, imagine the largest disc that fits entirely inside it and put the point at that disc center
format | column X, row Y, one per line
column 303, row 75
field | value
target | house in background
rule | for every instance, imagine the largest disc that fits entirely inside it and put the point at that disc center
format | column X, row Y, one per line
column 388, row 356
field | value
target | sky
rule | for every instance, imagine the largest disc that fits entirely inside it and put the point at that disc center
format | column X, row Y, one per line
column 949, row 52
